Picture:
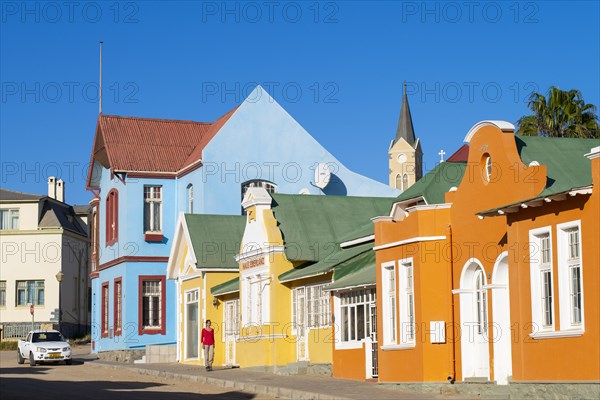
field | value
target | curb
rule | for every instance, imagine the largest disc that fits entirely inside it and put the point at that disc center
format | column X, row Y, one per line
column 255, row 388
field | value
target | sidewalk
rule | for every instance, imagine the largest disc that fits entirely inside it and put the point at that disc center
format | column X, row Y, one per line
column 292, row 387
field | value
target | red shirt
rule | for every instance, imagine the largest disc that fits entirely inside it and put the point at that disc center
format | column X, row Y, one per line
column 208, row 337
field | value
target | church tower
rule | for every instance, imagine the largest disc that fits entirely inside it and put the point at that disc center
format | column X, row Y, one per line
column 406, row 156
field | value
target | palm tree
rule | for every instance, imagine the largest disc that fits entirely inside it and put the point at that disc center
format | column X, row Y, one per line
column 561, row 114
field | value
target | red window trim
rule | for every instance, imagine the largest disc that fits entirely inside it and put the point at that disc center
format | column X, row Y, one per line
column 118, row 327
column 104, row 316
column 112, row 216
column 163, row 305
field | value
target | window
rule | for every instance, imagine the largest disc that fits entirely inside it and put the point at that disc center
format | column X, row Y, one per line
column 152, row 208
column 232, row 317
column 310, row 306
column 407, row 302
column 112, row 217
column 95, row 242
column 2, row 293
column 404, row 181
column 30, row 292
column 152, row 305
column 398, row 181
column 268, row 186
column 257, row 300
column 542, row 288
column 318, row 306
column 486, row 167
column 570, row 276
column 481, row 302
column 118, row 306
column 355, row 314
column 190, row 198
column 388, row 277
column 9, row 219
column 104, row 330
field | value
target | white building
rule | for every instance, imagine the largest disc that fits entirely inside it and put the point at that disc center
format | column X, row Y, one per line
column 43, row 240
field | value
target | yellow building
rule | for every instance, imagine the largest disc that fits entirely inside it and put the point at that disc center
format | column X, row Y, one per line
column 289, row 249
column 202, row 256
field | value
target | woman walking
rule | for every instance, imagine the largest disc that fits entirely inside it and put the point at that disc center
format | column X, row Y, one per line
column 208, row 345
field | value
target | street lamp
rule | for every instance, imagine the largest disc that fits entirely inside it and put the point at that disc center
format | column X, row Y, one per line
column 59, row 278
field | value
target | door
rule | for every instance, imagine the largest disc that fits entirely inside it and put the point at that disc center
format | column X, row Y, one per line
column 192, row 325
column 300, row 324
column 474, row 322
column 501, row 318
column 374, row 346
column 231, row 329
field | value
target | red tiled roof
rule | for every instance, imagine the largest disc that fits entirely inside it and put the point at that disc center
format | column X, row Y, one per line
column 132, row 144
column 460, row 155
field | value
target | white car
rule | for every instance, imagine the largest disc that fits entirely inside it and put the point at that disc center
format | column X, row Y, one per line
column 44, row 346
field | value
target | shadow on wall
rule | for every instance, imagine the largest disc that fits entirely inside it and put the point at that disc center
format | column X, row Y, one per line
column 335, row 187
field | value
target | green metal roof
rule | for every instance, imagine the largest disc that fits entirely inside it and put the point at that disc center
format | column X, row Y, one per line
column 231, row 286
column 436, row 183
column 313, row 225
column 564, row 158
column 325, row 265
column 357, row 271
column 566, row 165
column 215, row 239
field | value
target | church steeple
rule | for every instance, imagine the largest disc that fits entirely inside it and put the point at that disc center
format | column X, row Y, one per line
column 405, row 154
column 405, row 126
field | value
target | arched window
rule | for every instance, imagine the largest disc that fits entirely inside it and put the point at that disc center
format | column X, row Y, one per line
column 399, row 181
column 190, row 198
column 112, row 217
column 404, row 181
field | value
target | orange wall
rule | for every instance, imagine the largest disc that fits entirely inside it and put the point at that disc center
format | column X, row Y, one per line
column 431, row 274
column 574, row 358
column 349, row 364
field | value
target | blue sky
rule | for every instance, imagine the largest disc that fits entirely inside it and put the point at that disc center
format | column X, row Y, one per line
column 336, row 67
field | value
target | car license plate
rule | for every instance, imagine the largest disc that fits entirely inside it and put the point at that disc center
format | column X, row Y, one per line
column 54, row 355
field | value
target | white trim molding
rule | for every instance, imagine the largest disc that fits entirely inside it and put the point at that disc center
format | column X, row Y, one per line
column 403, row 346
column 408, row 241
column 557, row 334
column 360, row 240
column 254, row 253
column 502, row 125
column 594, row 153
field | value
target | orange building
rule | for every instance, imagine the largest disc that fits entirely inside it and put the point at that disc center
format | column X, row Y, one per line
column 494, row 277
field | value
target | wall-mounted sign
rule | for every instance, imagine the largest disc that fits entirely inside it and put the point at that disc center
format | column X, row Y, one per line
column 252, row 263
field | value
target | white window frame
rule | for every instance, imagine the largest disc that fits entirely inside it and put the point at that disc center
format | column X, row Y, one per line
column 190, row 198
column 536, row 268
column 321, row 318
column 369, row 297
column 153, row 200
column 38, row 284
column 231, row 323
column 565, row 263
column 406, row 285
column 256, row 297
column 389, row 301
column 12, row 215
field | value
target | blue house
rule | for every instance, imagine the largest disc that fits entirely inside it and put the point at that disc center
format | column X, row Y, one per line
column 145, row 172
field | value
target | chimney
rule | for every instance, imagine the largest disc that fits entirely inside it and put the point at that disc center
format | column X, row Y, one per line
column 60, row 190
column 52, row 187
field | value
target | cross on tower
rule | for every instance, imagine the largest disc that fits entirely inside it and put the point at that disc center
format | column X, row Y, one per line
column 442, row 153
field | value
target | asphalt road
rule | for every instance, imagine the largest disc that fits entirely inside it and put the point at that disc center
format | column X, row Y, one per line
column 83, row 380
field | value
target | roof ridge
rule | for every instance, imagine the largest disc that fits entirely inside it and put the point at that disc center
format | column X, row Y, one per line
column 168, row 120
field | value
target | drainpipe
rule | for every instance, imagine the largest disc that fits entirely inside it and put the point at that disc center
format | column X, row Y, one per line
column 451, row 338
